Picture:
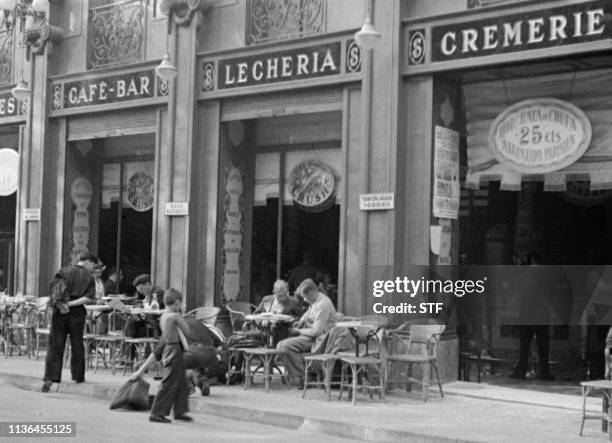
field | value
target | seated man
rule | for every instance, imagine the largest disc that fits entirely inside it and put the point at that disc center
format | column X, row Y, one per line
column 318, row 319
column 280, row 302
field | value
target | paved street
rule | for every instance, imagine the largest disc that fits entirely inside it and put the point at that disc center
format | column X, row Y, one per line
column 96, row 423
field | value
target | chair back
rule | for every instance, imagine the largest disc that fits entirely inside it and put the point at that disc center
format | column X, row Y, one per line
column 425, row 339
column 116, row 323
column 207, row 314
column 237, row 311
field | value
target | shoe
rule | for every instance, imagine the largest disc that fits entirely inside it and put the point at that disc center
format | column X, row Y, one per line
column 183, row 418
column 79, row 381
column 205, row 387
column 46, row 387
column 159, row 419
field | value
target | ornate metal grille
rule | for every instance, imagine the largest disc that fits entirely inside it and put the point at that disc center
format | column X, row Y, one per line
column 6, row 55
column 269, row 20
column 116, row 33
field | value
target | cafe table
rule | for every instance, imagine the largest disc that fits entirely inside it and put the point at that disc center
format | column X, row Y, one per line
column 363, row 330
column 265, row 321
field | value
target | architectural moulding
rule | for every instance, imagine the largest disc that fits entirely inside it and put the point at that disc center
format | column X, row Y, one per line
column 37, row 38
column 183, row 11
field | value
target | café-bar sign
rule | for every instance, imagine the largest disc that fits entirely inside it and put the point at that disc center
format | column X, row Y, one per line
column 295, row 64
column 540, row 135
column 578, row 23
column 103, row 90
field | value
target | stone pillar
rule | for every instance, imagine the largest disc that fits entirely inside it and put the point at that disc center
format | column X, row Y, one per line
column 38, row 170
column 176, row 165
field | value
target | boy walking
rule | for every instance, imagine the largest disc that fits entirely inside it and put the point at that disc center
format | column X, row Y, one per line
column 174, row 389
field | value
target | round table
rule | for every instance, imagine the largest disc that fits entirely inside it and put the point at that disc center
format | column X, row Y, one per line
column 266, row 320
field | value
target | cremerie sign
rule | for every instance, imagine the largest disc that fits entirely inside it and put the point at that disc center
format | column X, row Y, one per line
column 580, row 23
column 9, row 106
column 111, row 89
column 540, row 135
column 295, row 64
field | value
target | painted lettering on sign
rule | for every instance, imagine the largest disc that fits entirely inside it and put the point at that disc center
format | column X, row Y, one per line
column 110, row 89
column 518, row 32
column 297, row 64
column 540, row 135
column 9, row 106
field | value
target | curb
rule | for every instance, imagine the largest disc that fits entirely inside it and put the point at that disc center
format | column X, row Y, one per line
column 271, row 418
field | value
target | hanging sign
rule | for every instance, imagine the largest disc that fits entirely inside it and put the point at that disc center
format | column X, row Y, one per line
column 446, row 192
column 373, row 202
column 312, row 185
column 140, row 191
column 176, row 208
column 566, row 25
column 9, row 171
column 540, row 135
column 31, row 214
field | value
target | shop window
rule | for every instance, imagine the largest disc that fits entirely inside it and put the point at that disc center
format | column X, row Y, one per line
column 116, row 32
column 271, row 20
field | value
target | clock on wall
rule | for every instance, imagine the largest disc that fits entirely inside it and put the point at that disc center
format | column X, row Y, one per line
column 312, row 185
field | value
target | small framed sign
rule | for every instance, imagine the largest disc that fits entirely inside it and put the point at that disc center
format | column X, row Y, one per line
column 376, row 202
column 176, row 209
column 31, row 214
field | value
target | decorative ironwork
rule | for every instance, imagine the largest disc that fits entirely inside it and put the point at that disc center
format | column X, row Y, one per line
column 6, row 55
column 269, row 20
column 116, row 33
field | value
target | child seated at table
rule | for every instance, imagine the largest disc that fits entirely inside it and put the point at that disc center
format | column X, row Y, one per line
column 174, row 389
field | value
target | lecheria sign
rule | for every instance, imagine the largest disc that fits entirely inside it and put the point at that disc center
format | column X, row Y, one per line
column 540, row 135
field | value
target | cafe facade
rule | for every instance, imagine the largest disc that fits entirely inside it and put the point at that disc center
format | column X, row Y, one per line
column 224, row 178
column 506, row 104
column 279, row 142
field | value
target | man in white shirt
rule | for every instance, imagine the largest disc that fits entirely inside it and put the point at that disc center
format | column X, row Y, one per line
column 318, row 319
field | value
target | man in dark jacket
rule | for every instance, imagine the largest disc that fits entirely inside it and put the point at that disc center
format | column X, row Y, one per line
column 80, row 287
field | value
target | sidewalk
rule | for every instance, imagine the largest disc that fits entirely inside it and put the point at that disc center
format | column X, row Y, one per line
column 469, row 412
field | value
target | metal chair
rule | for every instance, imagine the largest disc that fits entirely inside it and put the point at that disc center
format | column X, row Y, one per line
column 43, row 322
column 111, row 342
column 207, row 314
column 368, row 370
column 421, row 349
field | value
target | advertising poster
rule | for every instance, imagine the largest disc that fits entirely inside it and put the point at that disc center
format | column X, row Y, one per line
column 446, row 190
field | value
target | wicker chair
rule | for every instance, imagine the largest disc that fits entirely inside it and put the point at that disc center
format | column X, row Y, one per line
column 206, row 314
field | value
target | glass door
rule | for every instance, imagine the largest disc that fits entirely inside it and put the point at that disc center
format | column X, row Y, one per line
column 126, row 218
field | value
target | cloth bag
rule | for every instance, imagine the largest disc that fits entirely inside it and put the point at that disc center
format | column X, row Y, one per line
column 133, row 394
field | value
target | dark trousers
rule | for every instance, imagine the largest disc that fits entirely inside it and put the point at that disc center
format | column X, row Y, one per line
column 174, row 389
column 62, row 325
column 526, row 332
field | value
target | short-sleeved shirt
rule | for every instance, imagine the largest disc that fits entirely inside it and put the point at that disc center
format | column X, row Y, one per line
column 79, row 282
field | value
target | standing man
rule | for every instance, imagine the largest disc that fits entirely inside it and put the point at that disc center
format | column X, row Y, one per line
column 534, row 317
column 318, row 319
column 80, row 289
